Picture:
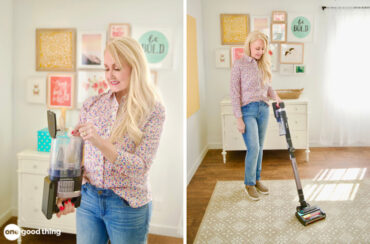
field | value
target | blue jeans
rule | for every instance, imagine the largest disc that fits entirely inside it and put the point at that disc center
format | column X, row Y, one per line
column 255, row 117
column 104, row 215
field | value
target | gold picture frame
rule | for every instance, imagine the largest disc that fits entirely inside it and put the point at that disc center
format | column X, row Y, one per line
column 279, row 16
column 234, row 28
column 117, row 30
column 56, row 49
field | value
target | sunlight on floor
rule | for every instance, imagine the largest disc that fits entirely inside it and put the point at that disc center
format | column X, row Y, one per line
column 336, row 188
column 340, row 174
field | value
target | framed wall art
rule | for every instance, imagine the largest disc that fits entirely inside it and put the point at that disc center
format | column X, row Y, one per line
column 60, row 91
column 117, row 30
column 299, row 69
column 36, row 90
column 274, row 52
column 158, row 45
column 236, row 53
column 286, row 69
column 90, row 83
column 300, row 28
column 90, row 51
column 234, row 28
column 262, row 24
column 55, row 49
column 278, row 32
column 222, row 58
column 279, row 16
column 291, row 53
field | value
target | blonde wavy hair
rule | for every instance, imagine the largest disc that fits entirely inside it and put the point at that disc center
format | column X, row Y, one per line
column 142, row 93
column 264, row 63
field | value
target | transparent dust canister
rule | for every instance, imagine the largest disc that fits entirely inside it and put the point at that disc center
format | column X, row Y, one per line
column 65, row 156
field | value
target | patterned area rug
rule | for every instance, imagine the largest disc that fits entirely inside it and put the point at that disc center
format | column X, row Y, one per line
column 232, row 218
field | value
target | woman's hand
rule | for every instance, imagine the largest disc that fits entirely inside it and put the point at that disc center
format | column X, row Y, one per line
column 68, row 207
column 88, row 132
column 241, row 125
column 278, row 101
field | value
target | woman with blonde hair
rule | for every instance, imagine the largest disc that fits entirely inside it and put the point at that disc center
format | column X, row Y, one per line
column 121, row 129
column 250, row 89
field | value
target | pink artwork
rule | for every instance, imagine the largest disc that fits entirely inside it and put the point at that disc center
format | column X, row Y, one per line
column 60, row 91
column 236, row 53
column 119, row 30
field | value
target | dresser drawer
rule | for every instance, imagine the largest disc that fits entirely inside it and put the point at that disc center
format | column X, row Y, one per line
column 30, row 202
column 34, row 166
column 296, row 108
column 233, row 139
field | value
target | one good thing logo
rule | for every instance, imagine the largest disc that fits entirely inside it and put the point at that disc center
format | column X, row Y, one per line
column 12, row 232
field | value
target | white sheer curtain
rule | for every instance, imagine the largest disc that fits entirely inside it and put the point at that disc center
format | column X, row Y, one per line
column 345, row 118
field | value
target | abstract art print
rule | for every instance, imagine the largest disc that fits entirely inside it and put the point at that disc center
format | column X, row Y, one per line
column 234, row 28
column 91, row 46
column 55, row 49
column 262, row 24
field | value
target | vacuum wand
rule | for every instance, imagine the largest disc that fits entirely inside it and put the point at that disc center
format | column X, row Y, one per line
column 306, row 214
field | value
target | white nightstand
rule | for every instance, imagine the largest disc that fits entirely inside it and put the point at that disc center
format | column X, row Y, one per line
column 32, row 168
column 297, row 111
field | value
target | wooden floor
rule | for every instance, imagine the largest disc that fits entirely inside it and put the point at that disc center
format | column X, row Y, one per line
column 276, row 166
column 71, row 238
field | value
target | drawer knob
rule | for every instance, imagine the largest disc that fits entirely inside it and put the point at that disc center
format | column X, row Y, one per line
column 35, row 166
column 36, row 188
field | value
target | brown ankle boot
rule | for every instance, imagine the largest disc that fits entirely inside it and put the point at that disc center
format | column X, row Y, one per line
column 261, row 188
column 252, row 192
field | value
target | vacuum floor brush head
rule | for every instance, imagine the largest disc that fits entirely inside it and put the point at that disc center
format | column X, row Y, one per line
column 310, row 215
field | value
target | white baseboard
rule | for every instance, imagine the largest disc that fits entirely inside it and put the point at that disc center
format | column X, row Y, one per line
column 6, row 215
column 164, row 230
column 197, row 163
column 214, row 146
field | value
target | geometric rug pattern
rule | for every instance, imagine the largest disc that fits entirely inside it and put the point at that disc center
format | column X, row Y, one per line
column 231, row 217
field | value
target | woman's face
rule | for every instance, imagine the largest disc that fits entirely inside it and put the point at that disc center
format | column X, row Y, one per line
column 257, row 49
column 118, row 78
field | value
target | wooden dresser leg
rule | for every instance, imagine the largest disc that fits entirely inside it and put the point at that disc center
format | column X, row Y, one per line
column 224, row 156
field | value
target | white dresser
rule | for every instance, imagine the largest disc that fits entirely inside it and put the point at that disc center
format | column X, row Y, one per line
column 297, row 111
column 32, row 168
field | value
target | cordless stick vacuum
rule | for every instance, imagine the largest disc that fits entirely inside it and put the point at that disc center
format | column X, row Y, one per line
column 65, row 172
column 306, row 214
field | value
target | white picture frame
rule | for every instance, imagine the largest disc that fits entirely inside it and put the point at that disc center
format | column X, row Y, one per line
column 90, row 83
column 36, row 90
column 287, row 69
column 300, row 27
column 291, row 53
column 222, row 58
column 262, row 24
column 274, row 52
column 90, row 49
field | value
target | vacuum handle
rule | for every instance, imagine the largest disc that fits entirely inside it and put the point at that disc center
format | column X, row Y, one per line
column 75, row 200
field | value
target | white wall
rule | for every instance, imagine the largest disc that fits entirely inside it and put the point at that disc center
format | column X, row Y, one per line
column 166, row 173
column 6, row 108
column 196, row 124
column 217, row 80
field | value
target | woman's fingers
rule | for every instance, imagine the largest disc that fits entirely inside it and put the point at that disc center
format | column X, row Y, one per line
column 66, row 208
